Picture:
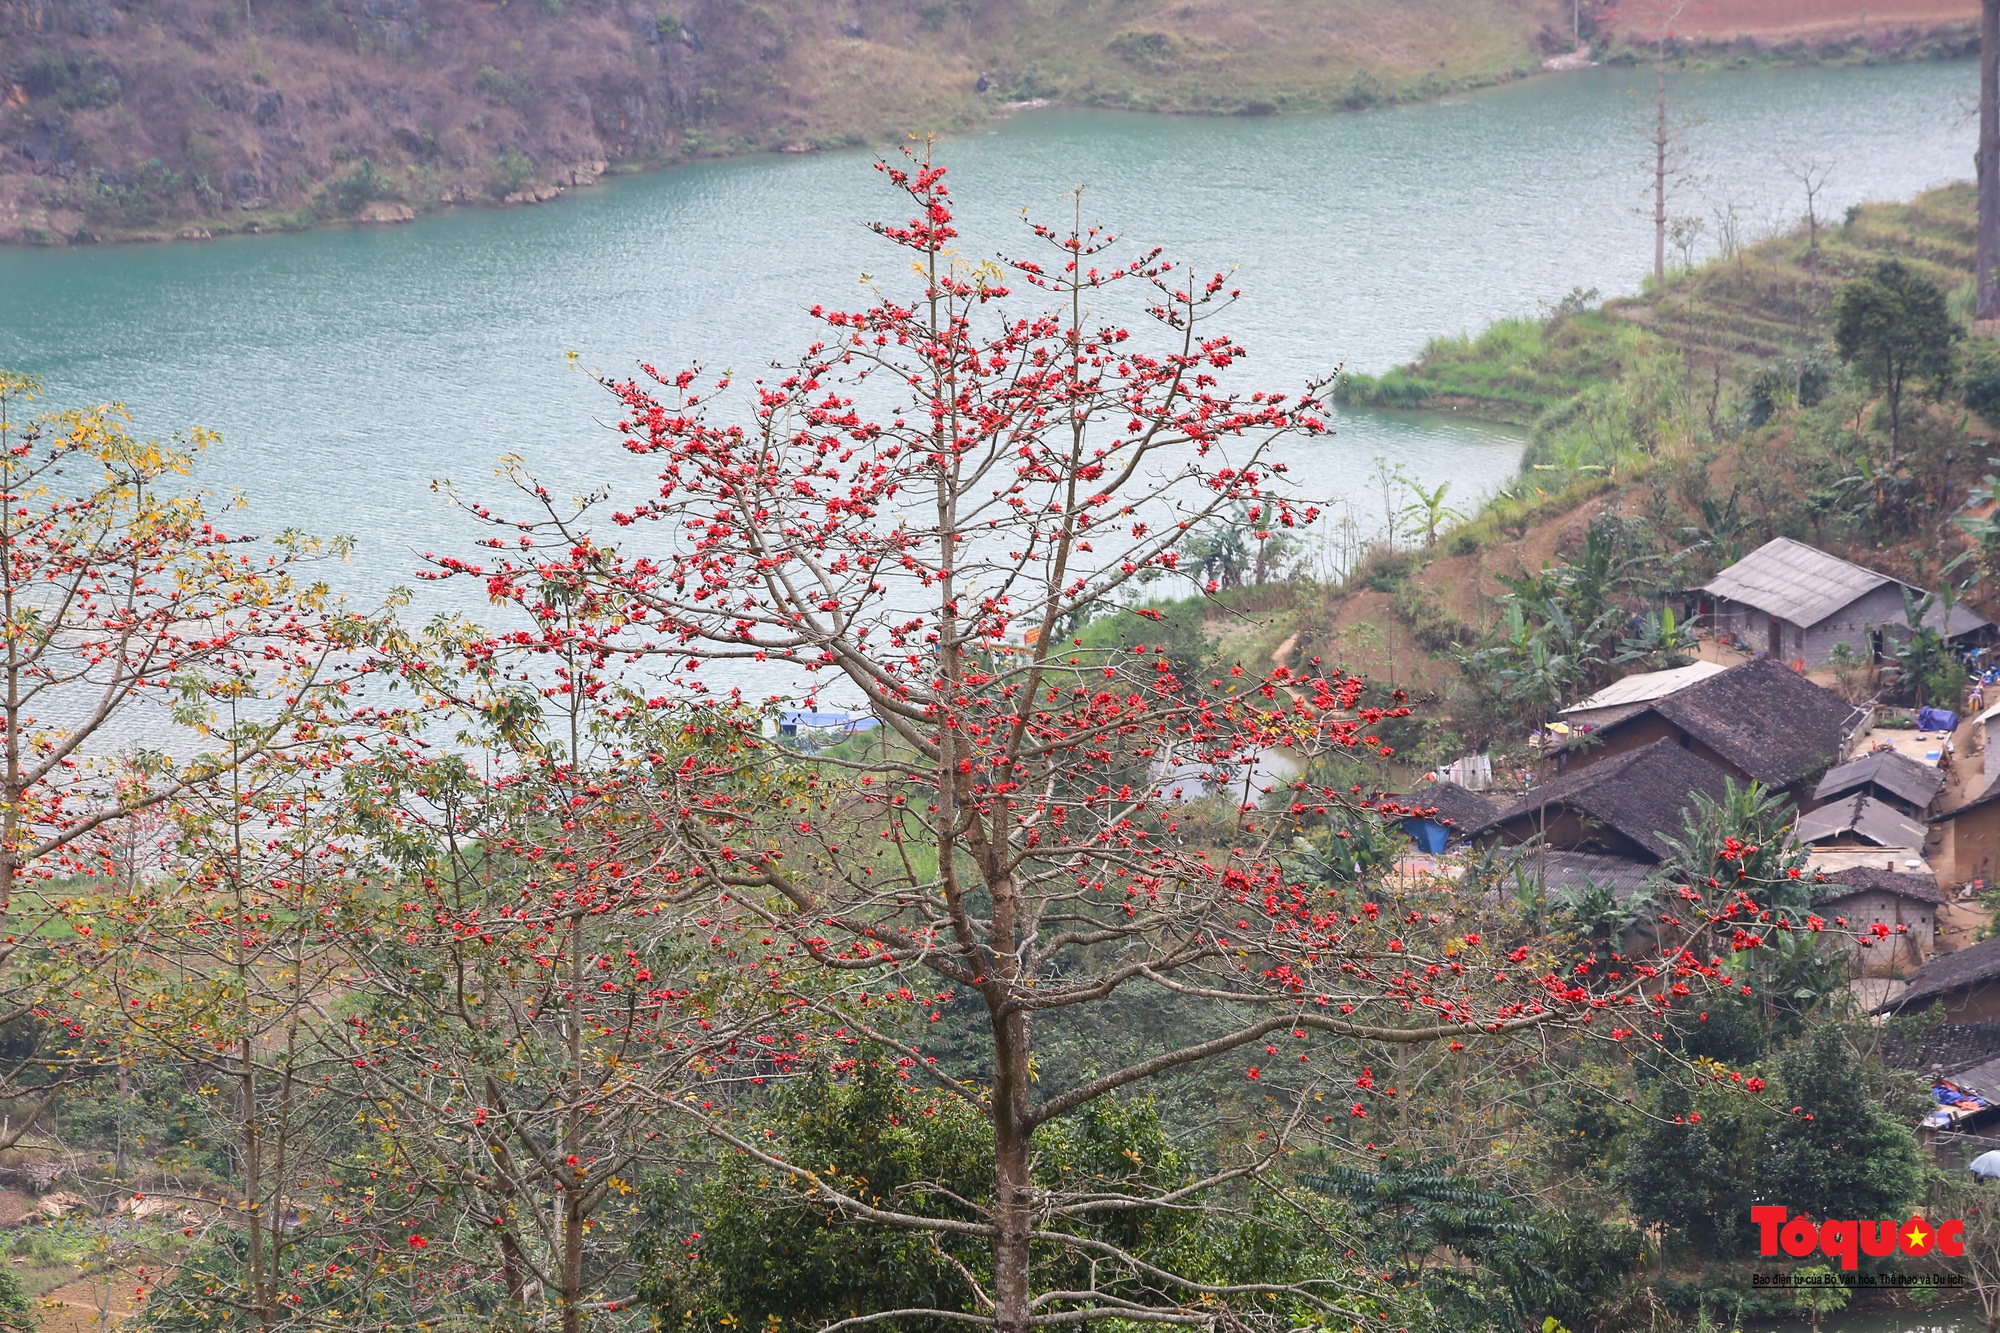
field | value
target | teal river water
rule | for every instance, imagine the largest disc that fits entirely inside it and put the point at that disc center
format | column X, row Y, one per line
column 347, row 368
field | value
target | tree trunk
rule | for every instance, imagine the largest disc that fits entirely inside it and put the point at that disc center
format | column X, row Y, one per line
column 1987, row 303
column 1013, row 1191
column 572, row 1265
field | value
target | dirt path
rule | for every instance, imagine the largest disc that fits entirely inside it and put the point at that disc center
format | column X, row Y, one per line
column 1720, row 20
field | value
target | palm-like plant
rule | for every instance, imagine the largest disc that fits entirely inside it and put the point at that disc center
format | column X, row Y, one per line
column 1427, row 512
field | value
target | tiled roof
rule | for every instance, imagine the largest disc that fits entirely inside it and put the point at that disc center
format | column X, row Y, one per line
column 1897, row 773
column 1875, row 820
column 1765, row 718
column 1640, row 793
column 1860, row 879
column 1949, row 972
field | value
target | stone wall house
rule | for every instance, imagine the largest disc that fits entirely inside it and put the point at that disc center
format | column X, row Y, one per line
column 1793, row 602
column 1866, row 898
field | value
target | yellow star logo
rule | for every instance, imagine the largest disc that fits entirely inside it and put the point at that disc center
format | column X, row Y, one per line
column 1918, row 1238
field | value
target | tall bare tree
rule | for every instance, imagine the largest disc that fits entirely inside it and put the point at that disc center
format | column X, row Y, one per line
column 1987, row 305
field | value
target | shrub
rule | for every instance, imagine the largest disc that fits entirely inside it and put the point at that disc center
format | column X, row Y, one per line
column 505, row 87
column 1979, row 380
column 511, row 171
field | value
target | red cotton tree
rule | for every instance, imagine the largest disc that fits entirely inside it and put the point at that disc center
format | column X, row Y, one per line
column 917, row 520
column 145, row 653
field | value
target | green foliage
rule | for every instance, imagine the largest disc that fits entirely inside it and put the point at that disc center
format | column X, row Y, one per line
column 1174, row 626
column 1979, row 379
column 1928, row 669
column 733, row 1247
column 1843, row 1154
column 1818, row 1291
column 514, row 88
column 1239, row 549
column 1411, row 1212
column 511, row 170
column 75, row 82
column 1692, row 1167
column 766, row 1252
column 1892, row 326
column 359, row 184
column 318, row 1282
column 17, row 1312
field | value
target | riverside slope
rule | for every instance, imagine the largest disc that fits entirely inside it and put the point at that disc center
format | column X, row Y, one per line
column 128, row 119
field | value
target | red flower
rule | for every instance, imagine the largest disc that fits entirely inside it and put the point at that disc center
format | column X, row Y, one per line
column 418, row 1242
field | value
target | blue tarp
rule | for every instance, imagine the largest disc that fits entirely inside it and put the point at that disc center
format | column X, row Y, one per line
column 1427, row 834
column 1936, row 719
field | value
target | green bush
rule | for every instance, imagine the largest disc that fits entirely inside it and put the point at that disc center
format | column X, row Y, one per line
column 511, row 170
column 360, row 184
column 515, row 88
column 1979, row 380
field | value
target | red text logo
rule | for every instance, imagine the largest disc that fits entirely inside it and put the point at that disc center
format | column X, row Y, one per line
column 1848, row 1241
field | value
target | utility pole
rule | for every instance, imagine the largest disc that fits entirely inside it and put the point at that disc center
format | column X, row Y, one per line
column 1660, row 137
column 1986, row 304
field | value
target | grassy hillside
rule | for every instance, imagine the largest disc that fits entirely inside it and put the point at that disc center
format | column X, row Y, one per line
column 133, row 118
column 1680, row 414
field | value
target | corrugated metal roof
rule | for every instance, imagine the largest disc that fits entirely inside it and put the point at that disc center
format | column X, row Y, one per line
column 1805, row 585
column 1794, row 582
column 1647, row 686
column 1877, row 821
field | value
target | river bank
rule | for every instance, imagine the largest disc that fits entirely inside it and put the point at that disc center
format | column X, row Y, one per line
column 104, row 138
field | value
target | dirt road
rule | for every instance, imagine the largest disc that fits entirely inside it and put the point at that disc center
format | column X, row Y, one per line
column 1720, row 20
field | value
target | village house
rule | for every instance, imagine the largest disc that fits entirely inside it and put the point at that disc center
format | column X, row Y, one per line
column 1895, row 780
column 1619, row 807
column 1965, row 842
column 1759, row 720
column 1795, row 603
column 1865, row 898
column 1631, row 694
column 1966, row 983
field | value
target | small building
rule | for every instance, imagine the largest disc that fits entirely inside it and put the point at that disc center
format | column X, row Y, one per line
column 1986, row 731
column 1442, row 813
column 1619, row 807
column 1794, row 603
column 1630, row 694
column 1967, row 983
column 1859, row 820
column 1966, row 837
column 1759, row 720
column 1902, row 902
column 1895, row 780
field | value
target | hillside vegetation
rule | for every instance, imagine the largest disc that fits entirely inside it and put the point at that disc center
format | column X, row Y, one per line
column 1701, row 419
column 137, row 118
